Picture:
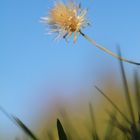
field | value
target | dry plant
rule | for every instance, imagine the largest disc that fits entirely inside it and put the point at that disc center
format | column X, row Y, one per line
column 67, row 19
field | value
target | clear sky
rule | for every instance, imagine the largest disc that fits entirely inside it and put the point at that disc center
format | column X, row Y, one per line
column 32, row 63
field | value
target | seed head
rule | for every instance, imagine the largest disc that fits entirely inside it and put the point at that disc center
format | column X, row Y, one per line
column 66, row 19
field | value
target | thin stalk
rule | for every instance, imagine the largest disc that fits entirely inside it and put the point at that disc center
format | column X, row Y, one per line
column 137, row 89
column 94, row 127
column 92, row 117
column 126, row 89
column 113, row 104
column 18, row 122
column 106, row 50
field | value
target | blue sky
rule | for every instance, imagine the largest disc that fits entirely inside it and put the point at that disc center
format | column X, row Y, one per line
column 32, row 62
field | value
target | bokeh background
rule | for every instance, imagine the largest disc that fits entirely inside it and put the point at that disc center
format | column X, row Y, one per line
column 38, row 74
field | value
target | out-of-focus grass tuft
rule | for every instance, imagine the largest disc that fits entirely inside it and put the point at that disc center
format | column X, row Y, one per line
column 116, row 118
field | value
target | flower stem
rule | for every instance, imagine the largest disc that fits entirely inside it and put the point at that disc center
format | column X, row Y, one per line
column 106, row 50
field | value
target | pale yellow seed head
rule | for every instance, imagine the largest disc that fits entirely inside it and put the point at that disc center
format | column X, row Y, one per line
column 66, row 19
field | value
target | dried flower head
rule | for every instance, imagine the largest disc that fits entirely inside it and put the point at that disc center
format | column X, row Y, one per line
column 66, row 19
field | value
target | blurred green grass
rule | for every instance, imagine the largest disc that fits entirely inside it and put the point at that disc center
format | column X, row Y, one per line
column 116, row 117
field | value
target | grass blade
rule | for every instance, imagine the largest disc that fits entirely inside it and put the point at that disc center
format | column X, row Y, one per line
column 24, row 128
column 19, row 123
column 113, row 104
column 110, row 126
column 61, row 132
column 94, row 127
column 126, row 90
column 137, row 90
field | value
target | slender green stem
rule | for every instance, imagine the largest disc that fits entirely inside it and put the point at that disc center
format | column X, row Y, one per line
column 113, row 104
column 127, row 93
column 106, row 50
column 137, row 89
